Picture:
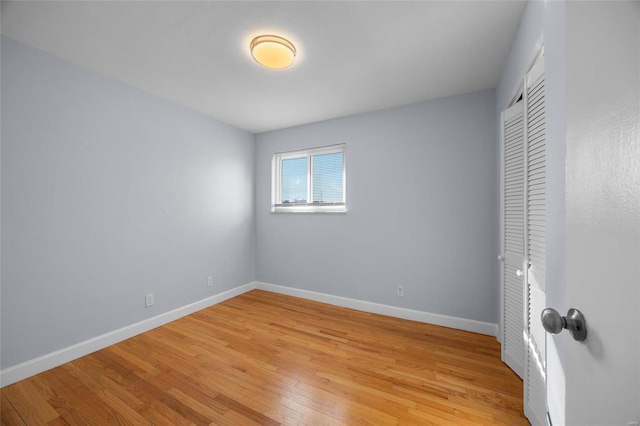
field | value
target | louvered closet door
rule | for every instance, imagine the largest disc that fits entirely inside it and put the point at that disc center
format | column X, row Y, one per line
column 513, row 349
column 535, row 393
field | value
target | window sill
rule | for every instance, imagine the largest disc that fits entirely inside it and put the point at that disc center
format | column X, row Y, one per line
column 309, row 209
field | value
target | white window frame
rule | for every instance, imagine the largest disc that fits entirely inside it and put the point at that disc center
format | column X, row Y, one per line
column 310, row 206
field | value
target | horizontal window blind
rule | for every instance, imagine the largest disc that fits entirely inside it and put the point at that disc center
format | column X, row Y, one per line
column 327, row 178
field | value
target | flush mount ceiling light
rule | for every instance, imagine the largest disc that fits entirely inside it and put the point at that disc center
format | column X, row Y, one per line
column 272, row 51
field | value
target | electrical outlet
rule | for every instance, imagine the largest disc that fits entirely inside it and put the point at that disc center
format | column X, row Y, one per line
column 209, row 281
column 148, row 300
column 400, row 291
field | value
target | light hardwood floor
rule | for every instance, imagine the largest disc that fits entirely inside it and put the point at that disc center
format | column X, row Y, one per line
column 268, row 359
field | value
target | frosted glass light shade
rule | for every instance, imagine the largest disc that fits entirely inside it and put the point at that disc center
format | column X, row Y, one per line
column 272, row 51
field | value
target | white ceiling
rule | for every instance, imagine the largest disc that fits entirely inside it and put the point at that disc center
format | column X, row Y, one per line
column 353, row 56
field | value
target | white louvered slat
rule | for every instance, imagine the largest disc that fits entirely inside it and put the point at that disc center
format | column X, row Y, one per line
column 513, row 349
column 536, row 182
column 535, row 241
column 513, row 321
column 536, row 366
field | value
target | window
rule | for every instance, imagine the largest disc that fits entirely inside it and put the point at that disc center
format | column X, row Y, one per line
column 310, row 180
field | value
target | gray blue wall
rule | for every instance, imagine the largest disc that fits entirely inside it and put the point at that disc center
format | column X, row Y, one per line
column 109, row 193
column 422, row 210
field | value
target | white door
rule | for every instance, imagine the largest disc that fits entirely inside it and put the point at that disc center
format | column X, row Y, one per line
column 512, row 239
column 603, row 211
column 535, row 390
column 523, row 247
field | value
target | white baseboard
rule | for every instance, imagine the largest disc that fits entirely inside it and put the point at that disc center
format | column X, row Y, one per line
column 54, row 359
column 392, row 311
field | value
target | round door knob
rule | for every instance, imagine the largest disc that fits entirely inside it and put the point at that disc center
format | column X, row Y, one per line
column 553, row 322
column 500, row 257
column 519, row 273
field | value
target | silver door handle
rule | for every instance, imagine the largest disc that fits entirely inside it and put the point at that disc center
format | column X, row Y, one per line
column 500, row 257
column 554, row 323
column 519, row 273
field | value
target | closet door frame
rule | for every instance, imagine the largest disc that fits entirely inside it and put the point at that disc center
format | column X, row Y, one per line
column 532, row 368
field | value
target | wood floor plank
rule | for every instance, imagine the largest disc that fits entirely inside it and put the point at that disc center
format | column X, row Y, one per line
column 37, row 410
column 8, row 414
column 267, row 359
